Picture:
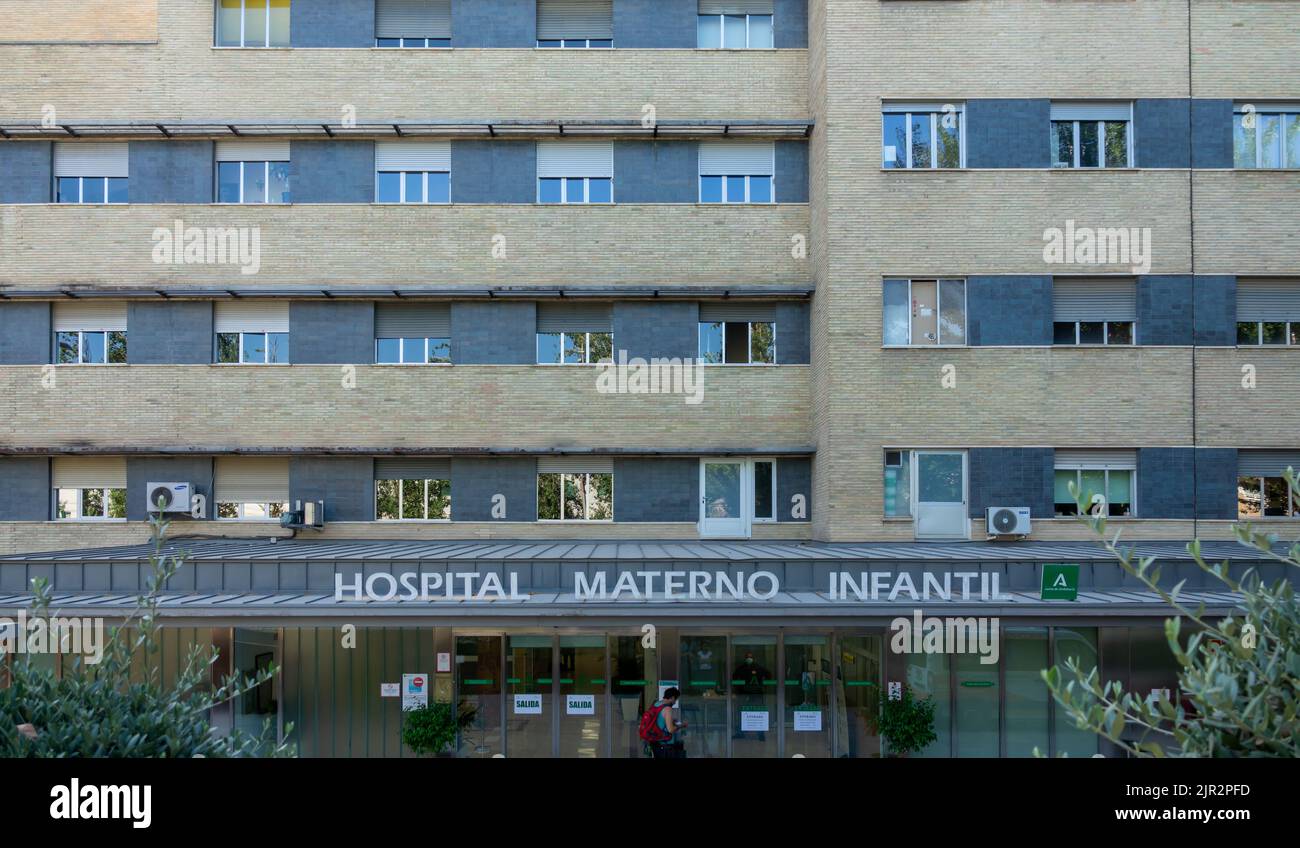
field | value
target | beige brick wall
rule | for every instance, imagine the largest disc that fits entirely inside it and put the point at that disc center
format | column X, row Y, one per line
column 1231, row 414
column 1245, row 49
column 78, row 21
column 1248, row 222
column 372, row 244
column 461, row 406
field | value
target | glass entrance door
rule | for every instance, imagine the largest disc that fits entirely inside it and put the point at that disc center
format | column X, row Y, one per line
column 529, row 684
column 478, row 688
column 724, row 492
column 940, row 486
column 703, row 684
column 754, row 691
column 581, row 704
column 807, row 712
column 857, row 695
column 634, row 670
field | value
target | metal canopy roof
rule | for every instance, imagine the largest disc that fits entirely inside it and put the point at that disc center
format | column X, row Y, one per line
column 414, row 291
column 404, row 129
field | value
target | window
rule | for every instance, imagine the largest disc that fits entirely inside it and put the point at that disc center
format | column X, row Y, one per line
column 1268, row 312
column 253, row 23
column 90, row 504
column 574, row 348
column 764, row 490
column 253, row 348
column 89, row 333
column 580, row 24
column 413, row 172
column 575, row 489
column 414, row 187
column 737, row 172
column 925, row 312
column 413, row 500
column 90, row 172
column 575, row 172
column 919, row 135
column 89, row 488
column 734, row 24
column 251, row 488
column 1094, row 311
column 412, row 23
column 248, row 511
column 898, row 484
column 413, row 334
column 1087, row 135
column 1262, row 491
column 1102, row 477
column 738, row 342
column 413, row 351
column 252, row 182
column 252, row 332
column 1266, row 136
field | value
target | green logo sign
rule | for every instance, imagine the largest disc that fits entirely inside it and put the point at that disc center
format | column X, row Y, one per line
column 1060, row 582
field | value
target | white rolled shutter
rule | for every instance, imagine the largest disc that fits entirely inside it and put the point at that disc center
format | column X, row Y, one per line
column 557, row 19
column 252, row 316
column 574, row 317
column 413, row 468
column 90, row 159
column 252, row 151
column 252, row 479
column 575, row 159
column 412, row 321
column 1094, row 300
column 575, row 465
column 737, row 310
column 89, row 472
column 1089, row 458
column 1079, row 111
column 1268, row 300
column 736, row 7
column 737, row 159
column 413, row 156
column 90, row 315
column 413, row 18
column 1267, row 463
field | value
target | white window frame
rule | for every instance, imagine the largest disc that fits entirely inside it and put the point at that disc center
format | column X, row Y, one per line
column 401, row 351
column 240, row 510
column 566, row 45
column 405, row 46
column 935, row 114
column 563, row 475
column 424, row 187
column 749, row 344
column 1292, row 331
column 722, row 31
column 1080, row 467
column 938, row 293
column 1282, row 114
column 216, row 340
column 78, row 514
column 755, row 518
column 1101, row 144
column 243, row 26
column 586, row 350
column 81, row 347
column 771, row 194
column 586, row 192
column 266, row 183
column 81, row 192
column 1105, row 334
column 1290, row 494
column 401, row 496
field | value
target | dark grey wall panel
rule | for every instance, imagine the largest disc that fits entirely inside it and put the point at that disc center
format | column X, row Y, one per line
column 494, row 333
column 1013, row 310
column 1012, row 477
column 332, row 171
column 793, row 477
column 1216, row 483
column 26, row 337
column 650, row 489
column 789, row 24
column 494, row 23
column 24, row 488
column 333, row 23
column 494, row 171
column 656, row 172
column 1164, row 303
column 655, row 23
column 1160, row 133
column 325, row 332
column 345, row 483
column 143, row 470
column 1211, row 133
column 26, row 172
column 792, row 329
column 475, row 481
column 791, row 172
column 666, row 329
column 169, row 333
column 1216, row 309
column 1166, row 481
column 170, row 171
column 1002, row 133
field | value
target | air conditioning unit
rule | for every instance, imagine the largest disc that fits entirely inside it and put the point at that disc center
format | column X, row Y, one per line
column 305, row 514
column 1008, row 520
column 175, row 497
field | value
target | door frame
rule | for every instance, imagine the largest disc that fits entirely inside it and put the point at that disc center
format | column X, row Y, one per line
column 747, row 519
column 915, row 482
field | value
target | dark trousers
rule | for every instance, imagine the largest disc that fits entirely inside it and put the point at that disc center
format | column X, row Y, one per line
column 668, row 750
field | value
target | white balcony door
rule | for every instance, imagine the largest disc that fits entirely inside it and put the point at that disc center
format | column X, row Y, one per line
column 726, row 498
column 939, row 481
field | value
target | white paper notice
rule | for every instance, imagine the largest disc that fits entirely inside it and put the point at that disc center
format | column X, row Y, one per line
column 390, row 690
column 753, row 720
column 808, row 720
column 580, row 705
column 528, row 705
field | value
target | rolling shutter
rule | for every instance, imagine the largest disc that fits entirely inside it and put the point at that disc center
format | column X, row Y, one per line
column 1113, row 458
column 1091, row 111
column 90, row 315
column 90, row 159
column 737, row 310
column 1268, row 300
column 574, row 318
column 575, row 159
column 412, row 321
column 413, row 156
column 1094, row 300
column 413, row 18
column 89, row 472
column 736, row 7
column 252, row 479
column 413, row 468
column 737, row 159
column 1266, row 463
column 575, row 465
column 252, row 151
column 252, row 316
column 558, row 19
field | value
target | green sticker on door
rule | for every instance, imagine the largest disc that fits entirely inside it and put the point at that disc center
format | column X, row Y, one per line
column 1060, row 582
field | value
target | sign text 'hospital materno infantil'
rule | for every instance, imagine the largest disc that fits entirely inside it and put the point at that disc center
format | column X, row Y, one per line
column 670, row 585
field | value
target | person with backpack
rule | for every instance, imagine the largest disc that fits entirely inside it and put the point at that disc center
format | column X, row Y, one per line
column 660, row 730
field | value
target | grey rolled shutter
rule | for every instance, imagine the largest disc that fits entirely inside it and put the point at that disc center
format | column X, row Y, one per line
column 90, row 315
column 575, row 159
column 1111, row 458
column 737, row 158
column 413, row 468
column 1094, row 300
column 1267, row 463
column 1084, row 111
column 89, row 472
column 252, row 479
column 557, row 19
column 412, row 321
column 251, row 316
column 1268, row 300
column 739, row 310
column 413, row 18
column 575, row 465
column 413, row 156
column 90, row 159
column 736, row 7
column 574, row 318
column 252, row 151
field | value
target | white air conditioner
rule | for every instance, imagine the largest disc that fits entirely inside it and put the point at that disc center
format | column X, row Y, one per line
column 1008, row 520
column 175, row 497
